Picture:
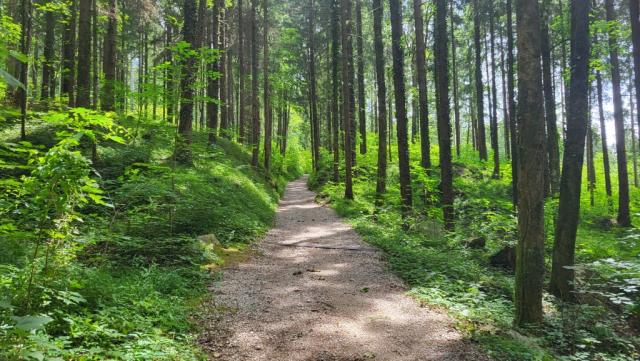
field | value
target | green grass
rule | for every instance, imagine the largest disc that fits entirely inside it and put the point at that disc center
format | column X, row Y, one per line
column 131, row 278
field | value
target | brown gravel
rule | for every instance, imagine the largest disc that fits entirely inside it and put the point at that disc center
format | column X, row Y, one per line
column 316, row 292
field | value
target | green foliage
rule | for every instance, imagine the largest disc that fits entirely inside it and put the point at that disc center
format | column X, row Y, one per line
column 443, row 271
column 101, row 259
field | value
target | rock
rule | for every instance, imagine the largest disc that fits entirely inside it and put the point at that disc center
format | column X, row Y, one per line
column 505, row 258
column 476, row 243
column 210, row 239
column 297, row 273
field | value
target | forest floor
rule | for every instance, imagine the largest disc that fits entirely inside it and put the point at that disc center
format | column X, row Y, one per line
column 315, row 291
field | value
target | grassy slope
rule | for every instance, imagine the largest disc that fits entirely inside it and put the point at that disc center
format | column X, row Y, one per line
column 443, row 272
column 139, row 272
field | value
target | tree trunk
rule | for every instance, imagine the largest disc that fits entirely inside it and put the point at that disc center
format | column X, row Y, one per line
column 634, row 11
column 362, row 119
column 348, row 97
column 454, row 68
column 268, row 126
column 378, row 16
column 84, row 55
column 482, row 142
column 25, row 48
column 624, row 217
column 603, row 135
column 401, row 105
column 562, row 276
column 189, row 67
column 495, row 145
column 513, row 116
column 315, row 129
column 213, row 88
column 444, row 121
column 241, row 75
column 553, row 153
column 48, row 62
column 94, row 49
column 69, row 54
column 530, row 250
column 109, row 59
column 421, row 70
column 255, row 106
column 335, row 114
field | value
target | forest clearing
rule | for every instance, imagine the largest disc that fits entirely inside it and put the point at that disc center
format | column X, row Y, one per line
column 319, row 180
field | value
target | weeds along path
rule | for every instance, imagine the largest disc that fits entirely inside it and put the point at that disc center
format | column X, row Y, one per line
column 316, row 292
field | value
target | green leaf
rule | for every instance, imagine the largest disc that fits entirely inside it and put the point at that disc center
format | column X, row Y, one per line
column 11, row 80
column 30, row 323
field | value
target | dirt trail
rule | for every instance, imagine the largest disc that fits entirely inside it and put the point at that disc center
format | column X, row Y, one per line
column 317, row 292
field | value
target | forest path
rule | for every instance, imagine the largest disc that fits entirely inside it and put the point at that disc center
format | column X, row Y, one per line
column 315, row 291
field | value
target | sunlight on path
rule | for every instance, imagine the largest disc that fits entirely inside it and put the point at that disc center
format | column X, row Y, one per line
column 317, row 292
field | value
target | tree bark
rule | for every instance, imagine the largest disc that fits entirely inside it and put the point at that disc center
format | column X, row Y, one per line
column 482, row 142
column 49, row 48
column 401, row 105
column 495, row 145
column 83, row 97
column 513, row 116
column 189, row 67
column 213, row 86
column 624, row 217
column 531, row 235
column 315, row 129
column 421, row 70
column 562, row 276
column 109, row 59
column 335, row 114
column 255, row 106
column 634, row 11
column 553, row 152
column 362, row 119
column 454, row 69
column 69, row 54
column 268, row 126
column 444, row 121
column 378, row 16
column 348, row 97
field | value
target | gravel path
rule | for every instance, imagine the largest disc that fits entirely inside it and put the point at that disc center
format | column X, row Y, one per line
column 316, row 292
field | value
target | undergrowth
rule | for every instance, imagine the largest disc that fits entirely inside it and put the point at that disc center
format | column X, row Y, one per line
column 109, row 260
column 445, row 271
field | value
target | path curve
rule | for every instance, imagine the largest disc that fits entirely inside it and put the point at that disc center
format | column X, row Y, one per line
column 315, row 291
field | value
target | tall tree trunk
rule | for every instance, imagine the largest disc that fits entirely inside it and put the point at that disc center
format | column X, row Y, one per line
column 634, row 11
column 513, row 116
column 335, row 114
column 84, row 55
column 530, row 250
column 315, row 129
column 421, row 69
column 268, row 126
column 482, row 142
column 348, row 97
column 94, row 49
column 591, row 168
column 378, row 15
column 109, row 59
column 562, row 275
column 241, row 76
column 362, row 118
column 213, row 88
column 634, row 149
column 624, row 217
column 49, row 48
column 603, row 135
column 401, row 105
column 454, row 69
column 495, row 145
column 25, row 48
column 69, row 54
column 189, row 72
column 444, row 121
column 255, row 106
column 224, row 57
column 553, row 152
column 505, row 104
